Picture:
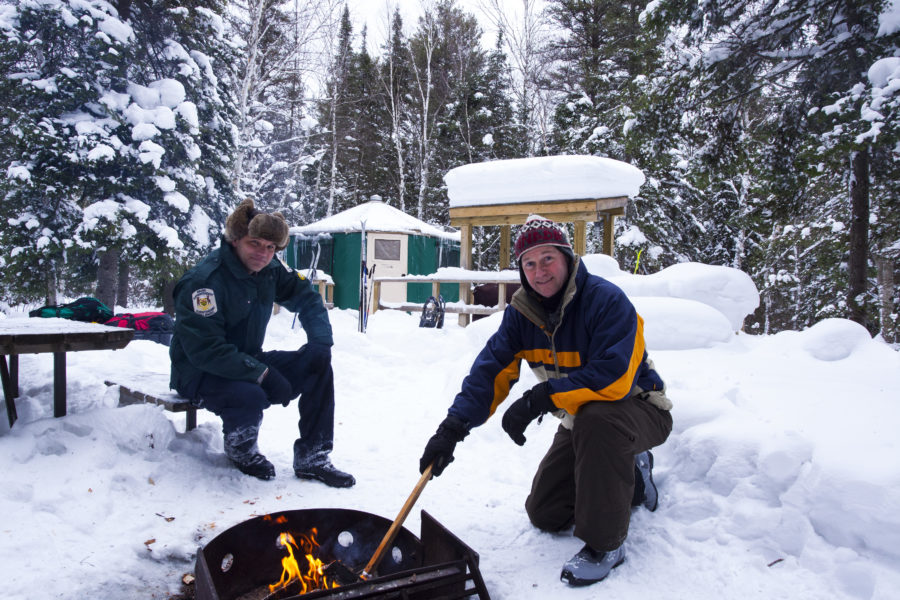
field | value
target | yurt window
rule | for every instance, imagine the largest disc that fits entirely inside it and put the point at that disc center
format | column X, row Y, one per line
column 387, row 249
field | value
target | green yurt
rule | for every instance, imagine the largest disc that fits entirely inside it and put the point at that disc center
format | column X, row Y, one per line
column 396, row 244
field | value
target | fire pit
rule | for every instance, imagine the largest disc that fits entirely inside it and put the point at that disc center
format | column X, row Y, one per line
column 243, row 562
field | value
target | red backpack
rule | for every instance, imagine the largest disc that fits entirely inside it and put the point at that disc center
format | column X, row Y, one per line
column 154, row 326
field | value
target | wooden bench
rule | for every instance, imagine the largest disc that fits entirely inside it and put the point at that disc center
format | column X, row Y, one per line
column 136, row 392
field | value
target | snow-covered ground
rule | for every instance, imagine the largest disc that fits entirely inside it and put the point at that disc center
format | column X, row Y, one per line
column 781, row 478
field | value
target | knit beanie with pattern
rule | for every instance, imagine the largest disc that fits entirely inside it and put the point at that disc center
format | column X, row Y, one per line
column 538, row 231
column 246, row 220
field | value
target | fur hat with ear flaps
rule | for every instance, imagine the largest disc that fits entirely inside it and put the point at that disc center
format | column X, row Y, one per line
column 246, row 220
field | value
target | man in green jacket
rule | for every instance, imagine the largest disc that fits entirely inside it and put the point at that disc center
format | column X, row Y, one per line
column 222, row 308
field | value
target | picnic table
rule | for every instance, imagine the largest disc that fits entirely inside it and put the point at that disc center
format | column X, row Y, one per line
column 59, row 336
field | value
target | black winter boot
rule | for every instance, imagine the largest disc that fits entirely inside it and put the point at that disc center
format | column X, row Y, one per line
column 241, row 448
column 318, row 466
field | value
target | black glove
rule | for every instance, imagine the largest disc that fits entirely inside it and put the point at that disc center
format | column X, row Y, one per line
column 439, row 449
column 317, row 355
column 277, row 388
column 533, row 403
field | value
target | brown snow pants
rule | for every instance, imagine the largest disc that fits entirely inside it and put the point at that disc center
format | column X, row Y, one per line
column 587, row 475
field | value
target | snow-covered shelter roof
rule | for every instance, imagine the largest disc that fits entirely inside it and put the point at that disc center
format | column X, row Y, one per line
column 541, row 179
column 377, row 216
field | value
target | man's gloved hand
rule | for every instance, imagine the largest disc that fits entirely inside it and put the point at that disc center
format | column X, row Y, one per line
column 439, row 449
column 533, row 403
column 277, row 388
column 317, row 355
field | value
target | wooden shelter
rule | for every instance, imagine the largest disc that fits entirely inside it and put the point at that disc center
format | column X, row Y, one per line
column 567, row 189
column 579, row 212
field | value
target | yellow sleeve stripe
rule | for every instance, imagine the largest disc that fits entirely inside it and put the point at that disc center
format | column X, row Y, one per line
column 544, row 356
column 503, row 381
column 572, row 400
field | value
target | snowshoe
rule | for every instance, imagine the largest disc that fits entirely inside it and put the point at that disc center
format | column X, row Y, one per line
column 432, row 313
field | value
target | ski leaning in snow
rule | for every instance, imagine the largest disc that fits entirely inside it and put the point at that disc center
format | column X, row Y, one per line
column 362, row 276
column 371, row 291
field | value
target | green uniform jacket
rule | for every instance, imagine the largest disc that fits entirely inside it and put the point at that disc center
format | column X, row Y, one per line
column 221, row 314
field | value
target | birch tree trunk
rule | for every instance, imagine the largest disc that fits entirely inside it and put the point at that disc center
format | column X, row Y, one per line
column 424, row 87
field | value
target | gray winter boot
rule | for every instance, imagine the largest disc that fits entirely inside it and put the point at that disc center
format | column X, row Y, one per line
column 590, row 566
column 241, row 448
column 644, row 464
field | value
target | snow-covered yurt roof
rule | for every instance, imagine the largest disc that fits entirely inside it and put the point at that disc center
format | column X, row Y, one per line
column 541, row 179
column 377, row 216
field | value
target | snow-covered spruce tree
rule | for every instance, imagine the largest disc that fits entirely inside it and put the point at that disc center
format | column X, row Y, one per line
column 61, row 62
column 809, row 60
column 177, row 113
column 277, row 52
column 395, row 81
column 480, row 125
column 607, row 64
column 368, row 143
column 461, row 104
column 333, row 119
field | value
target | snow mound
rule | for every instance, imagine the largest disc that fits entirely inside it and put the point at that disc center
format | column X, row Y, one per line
column 730, row 291
column 834, row 339
column 679, row 324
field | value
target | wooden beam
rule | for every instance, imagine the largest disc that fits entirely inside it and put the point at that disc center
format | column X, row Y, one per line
column 559, row 217
column 519, row 211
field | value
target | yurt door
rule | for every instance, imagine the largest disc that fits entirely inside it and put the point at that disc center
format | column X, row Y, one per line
column 388, row 252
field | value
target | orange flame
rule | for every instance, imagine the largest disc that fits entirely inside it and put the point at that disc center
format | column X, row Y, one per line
column 314, row 579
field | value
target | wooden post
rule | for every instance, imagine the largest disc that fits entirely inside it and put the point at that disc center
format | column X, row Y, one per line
column 580, row 241
column 504, row 246
column 59, row 384
column 8, row 393
column 465, row 261
column 376, row 296
column 609, row 222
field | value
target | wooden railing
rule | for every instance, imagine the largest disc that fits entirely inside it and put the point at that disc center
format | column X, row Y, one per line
column 465, row 280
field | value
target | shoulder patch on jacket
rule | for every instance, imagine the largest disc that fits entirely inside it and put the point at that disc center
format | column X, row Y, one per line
column 204, row 302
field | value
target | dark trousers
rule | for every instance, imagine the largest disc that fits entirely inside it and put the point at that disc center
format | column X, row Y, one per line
column 587, row 476
column 240, row 403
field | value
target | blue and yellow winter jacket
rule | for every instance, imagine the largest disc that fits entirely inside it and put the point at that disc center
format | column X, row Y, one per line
column 594, row 353
column 221, row 314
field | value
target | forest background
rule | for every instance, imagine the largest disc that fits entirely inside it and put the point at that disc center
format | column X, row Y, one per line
column 768, row 131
